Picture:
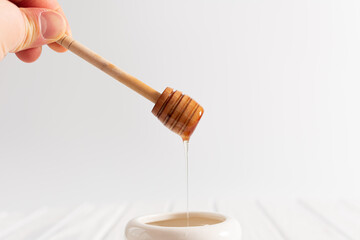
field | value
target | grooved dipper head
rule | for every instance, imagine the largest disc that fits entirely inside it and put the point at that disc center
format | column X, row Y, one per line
column 178, row 112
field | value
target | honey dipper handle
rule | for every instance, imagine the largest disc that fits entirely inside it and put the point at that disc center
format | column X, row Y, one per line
column 109, row 68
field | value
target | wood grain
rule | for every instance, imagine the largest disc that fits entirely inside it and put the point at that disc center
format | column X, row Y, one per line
column 270, row 220
column 178, row 112
column 109, row 68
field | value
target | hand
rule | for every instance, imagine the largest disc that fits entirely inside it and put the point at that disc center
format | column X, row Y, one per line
column 26, row 25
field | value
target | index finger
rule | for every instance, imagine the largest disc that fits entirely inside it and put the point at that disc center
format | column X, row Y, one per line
column 50, row 4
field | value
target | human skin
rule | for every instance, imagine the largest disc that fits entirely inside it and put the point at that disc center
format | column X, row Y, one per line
column 27, row 25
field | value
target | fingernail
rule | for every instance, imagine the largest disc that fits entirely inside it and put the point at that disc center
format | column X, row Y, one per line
column 52, row 24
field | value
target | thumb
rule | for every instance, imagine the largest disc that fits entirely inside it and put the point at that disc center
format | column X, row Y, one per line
column 40, row 26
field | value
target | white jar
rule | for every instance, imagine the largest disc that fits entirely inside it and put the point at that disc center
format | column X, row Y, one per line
column 227, row 228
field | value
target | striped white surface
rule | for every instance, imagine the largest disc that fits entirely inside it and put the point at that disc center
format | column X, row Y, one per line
column 268, row 220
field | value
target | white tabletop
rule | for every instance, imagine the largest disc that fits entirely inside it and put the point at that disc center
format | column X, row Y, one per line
column 260, row 219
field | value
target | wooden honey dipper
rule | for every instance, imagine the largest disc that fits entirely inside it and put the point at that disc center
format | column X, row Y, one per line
column 176, row 111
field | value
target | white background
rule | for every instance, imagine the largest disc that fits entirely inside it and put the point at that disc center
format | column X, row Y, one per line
column 279, row 81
